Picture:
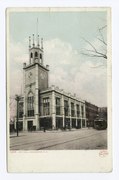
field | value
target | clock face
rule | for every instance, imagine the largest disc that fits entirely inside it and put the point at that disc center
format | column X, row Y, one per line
column 29, row 75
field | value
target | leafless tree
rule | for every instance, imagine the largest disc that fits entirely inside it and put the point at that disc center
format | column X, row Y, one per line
column 12, row 106
column 96, row 51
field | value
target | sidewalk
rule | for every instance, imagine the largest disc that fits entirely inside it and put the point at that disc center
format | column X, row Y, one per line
column 25, row 133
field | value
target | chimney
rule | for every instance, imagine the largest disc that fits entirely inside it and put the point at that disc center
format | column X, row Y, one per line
column 47, row 66
column 24, row 65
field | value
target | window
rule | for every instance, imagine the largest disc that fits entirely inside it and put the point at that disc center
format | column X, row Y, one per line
column 40, row 56
column 57, row 106
column 46, row 106
column 31, row 55
column 20, row 109
column 36, row 54
column 72, row 109
column 30, row 105
column 78, row 111
column 66, row 107
column 82, row 111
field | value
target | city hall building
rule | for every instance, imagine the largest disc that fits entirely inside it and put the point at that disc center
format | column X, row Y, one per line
column 42, row 106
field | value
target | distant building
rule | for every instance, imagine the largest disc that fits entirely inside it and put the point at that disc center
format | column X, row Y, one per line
column 91, row 113
column 102, row 111
column 44, row 107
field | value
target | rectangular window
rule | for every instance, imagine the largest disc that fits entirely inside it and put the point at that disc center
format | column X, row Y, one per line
column 78, row 111
column 82, row 111
column 66, row 108
column 57, row 106
column 20, row 109
column 72, row 110
column 30, row 107
column 46, row 106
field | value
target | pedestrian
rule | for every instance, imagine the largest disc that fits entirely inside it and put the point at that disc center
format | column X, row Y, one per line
column 44, row 129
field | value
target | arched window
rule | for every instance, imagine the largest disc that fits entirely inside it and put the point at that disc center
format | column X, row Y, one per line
column 36, row 54
column 30, row 104
column 31, row 55
column 40, row 56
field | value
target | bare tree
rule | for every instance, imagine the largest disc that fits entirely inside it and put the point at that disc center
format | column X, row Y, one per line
column 12, row 106
column 96, row 51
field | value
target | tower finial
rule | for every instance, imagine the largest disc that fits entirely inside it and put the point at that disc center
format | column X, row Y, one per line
column 41, row 43
column 37, row 28
column 38, row 42
column 29, row 42
column 33, row 41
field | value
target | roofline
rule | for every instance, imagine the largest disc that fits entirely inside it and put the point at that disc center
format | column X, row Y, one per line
column 51, row 90
column 34, row 65
column 35, row 48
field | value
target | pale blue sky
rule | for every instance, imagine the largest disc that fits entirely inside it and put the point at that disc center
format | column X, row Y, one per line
column 62, row 33
column 68, row 26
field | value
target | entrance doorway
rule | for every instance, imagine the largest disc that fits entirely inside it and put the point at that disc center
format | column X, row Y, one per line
column 79, row 123
column 67, row 123
column 46, row 123
column 59, row 123
column 30, row 125
column 73, row 123
column 83, row 123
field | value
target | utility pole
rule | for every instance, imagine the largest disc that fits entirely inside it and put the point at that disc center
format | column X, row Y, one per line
column 17, row 99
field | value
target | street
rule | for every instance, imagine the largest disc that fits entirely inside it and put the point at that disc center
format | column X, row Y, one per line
column 81, row 139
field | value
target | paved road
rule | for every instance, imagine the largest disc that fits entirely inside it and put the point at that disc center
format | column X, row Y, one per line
column 70, row 140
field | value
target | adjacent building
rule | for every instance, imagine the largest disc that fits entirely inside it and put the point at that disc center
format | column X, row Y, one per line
column 91, row 113
column 102, row 111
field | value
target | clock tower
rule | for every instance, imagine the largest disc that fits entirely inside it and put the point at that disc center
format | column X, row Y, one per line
column 35, row 79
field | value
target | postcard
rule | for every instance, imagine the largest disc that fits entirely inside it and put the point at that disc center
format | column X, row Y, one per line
column 59, row 115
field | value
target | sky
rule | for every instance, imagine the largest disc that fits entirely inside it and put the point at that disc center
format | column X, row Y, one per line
column 63, row 34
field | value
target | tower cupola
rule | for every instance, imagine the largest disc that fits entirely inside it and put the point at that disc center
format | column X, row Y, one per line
column 35, row 50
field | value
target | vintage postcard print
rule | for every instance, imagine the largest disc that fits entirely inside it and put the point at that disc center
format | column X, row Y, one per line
column 59, row 89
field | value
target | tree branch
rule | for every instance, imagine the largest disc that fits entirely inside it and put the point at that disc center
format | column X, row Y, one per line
column 94, row 52
column 102, row 41
column 95, row 55
column 90, row 44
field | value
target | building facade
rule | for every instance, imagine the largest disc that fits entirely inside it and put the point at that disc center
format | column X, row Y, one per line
column 102, row 111
column 91, row 113
column 42, row 106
